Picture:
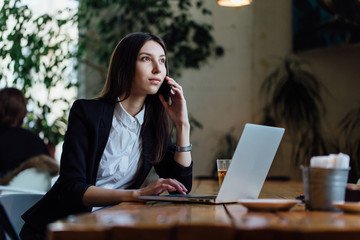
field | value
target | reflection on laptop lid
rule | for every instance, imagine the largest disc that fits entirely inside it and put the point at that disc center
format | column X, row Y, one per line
column 249, row 167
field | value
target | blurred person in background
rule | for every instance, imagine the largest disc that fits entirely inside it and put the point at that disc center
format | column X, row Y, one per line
column 23, row 154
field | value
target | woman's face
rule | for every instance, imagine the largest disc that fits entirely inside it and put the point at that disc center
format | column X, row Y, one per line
column 150, row 69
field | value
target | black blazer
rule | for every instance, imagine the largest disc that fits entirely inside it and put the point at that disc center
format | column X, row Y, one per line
column 85, row 140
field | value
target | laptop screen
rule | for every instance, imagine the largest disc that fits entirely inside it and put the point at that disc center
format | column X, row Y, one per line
column 251, row 162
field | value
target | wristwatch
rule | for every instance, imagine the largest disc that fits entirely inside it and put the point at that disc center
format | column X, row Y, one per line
column 183, row 149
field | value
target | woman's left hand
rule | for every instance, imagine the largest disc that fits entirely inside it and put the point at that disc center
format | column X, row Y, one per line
column 177, row 110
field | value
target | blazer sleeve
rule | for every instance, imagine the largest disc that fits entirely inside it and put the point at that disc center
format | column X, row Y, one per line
column 169, row 168
column 72, row 182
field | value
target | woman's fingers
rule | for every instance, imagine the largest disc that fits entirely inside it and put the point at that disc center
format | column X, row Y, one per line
column 175, row 86
column 162, row 185
column 179, row 186
column 163, row 188
column 172, row 82
column 175, row 90
column 171, row 185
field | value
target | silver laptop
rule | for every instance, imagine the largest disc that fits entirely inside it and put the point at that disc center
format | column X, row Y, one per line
column 249, row 167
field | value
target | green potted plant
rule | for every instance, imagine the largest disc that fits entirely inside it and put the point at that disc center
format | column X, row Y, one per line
column 293, row 99
column 349, row 141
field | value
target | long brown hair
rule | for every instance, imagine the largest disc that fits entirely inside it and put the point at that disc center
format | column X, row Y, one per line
column 119, row 81
column 12, row 107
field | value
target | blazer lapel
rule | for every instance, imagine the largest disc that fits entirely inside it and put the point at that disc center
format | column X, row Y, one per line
column 103, row 132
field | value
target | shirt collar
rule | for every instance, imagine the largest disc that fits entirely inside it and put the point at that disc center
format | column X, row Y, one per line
column 126, row 118
column 140, row 116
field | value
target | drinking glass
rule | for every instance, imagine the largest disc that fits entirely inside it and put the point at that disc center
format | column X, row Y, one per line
column 222, row 167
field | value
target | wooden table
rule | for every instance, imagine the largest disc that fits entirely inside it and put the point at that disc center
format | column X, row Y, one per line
column 164, row 221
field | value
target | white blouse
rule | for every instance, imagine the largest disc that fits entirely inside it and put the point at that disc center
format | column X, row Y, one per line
column 121, row 159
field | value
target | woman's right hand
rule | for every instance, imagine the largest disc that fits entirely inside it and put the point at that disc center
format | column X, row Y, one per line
column 161, row 185
column 97, row 196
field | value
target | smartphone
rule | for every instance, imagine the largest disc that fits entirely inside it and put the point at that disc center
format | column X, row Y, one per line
column 165, row 89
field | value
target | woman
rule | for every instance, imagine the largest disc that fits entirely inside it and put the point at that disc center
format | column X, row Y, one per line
column 113, row 141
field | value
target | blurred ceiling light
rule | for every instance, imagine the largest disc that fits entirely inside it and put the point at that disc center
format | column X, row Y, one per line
column 234, row 3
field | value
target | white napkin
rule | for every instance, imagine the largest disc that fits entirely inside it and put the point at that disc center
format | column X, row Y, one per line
column 340, row 160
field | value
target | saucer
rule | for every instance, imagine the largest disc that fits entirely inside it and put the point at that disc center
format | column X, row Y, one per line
column 268, row 204
column 349, row 207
